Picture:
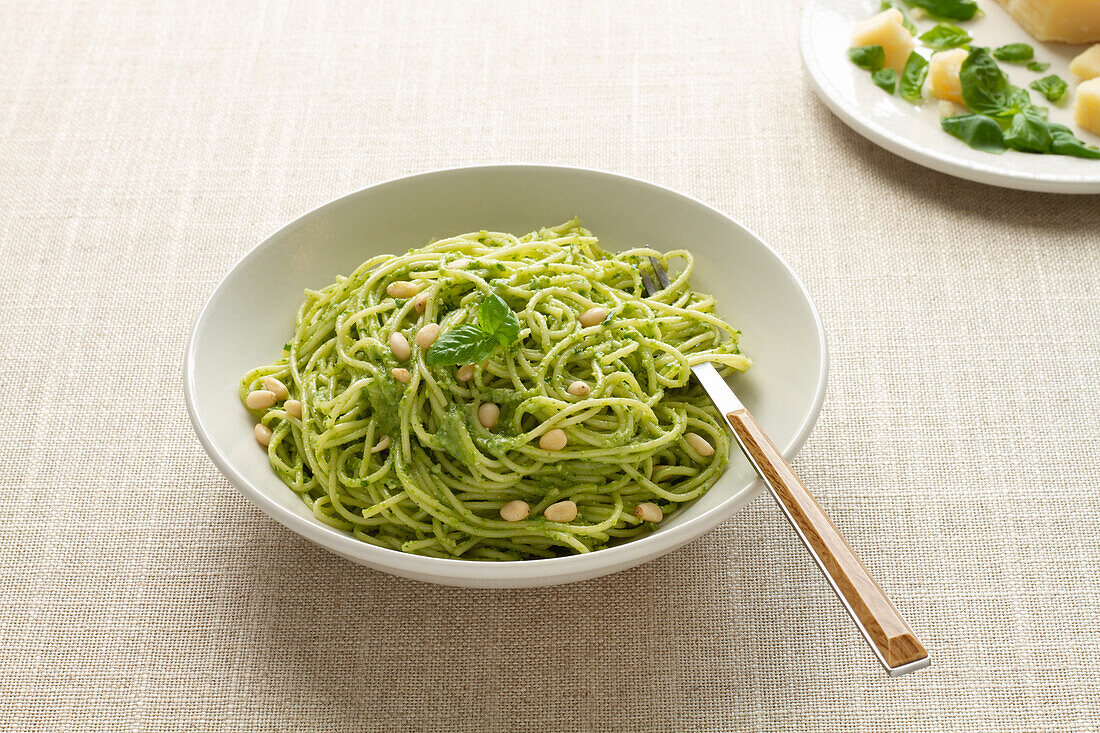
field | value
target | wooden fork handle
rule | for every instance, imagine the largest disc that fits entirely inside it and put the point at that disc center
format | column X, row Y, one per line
column 884, row 628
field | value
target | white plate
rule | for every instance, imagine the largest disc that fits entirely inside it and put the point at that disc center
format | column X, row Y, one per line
column 251, row 312
column 914, row 132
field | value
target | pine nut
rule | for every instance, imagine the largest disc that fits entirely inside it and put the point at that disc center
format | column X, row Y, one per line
column 579, row 388
column 401, row 375
column 271, row 384
column 381, row 445
column 259, row 400
column 488, row 414
column 592, row 316
column 647, row 511
column 293, row 408
column 465, row 373
column 515, row 511
column 563, row 511
column 426, row 336
column 263, row 434
column 553, row 439
column 399, row 345
column 402, row 289
column 699, row 444
column 420, row 302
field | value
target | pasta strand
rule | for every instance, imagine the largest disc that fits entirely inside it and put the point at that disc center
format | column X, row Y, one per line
column 437, row 488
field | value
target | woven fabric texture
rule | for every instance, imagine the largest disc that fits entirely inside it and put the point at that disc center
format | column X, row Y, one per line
column 144, row 147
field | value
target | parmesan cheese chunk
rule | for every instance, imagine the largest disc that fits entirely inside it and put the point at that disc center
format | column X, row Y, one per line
column 1086, row 107
column 944, row 72
column 1069, row 21
column 1087, row 65
column 886, row 30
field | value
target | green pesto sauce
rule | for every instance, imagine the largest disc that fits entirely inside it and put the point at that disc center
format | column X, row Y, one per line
column 497, row 444
column 385, row 401
column 453, row 436
column 506, row 397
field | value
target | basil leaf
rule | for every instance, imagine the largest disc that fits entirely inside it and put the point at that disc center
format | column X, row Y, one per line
column 1016, row 53
column 905, row 21
column 984, row 86
column 912, row 78
column 953, row 9
column 1065, row 143
column 1028, row 134
column 496, row 324
column 977, row 131
column 461, row 345
column 491, row 313
column 1052, row 87
column 1020, row 101
column 944, row 36
column 871, row 58
column 508, row 332
column 497, row 321
column 886, row 79
column 1039, row 66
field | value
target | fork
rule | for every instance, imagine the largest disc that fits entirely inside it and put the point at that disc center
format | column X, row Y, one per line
column 884, row 628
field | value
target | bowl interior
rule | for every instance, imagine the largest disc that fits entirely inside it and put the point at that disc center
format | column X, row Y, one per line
column 251, row 313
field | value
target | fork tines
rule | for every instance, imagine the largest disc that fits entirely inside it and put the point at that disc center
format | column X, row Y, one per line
column 662, row 278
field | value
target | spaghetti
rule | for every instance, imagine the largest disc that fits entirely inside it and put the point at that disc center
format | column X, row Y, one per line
column 401, row 453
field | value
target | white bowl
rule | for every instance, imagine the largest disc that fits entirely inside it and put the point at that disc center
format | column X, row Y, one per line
column 251, row 313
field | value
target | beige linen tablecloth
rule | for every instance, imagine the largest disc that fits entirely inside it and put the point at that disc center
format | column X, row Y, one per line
column 144, row 147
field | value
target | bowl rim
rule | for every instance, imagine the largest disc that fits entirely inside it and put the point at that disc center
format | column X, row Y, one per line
column 541, row 571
